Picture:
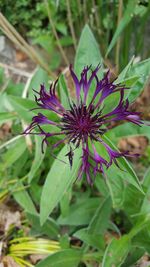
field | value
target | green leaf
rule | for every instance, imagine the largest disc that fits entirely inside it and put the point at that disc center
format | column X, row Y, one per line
column 116, row 187
column 66, row 41
column 63, row 90
column 15, row 89
column 100, row 220
column 127, row 17
column 134, row 76
column 132, row 200
column 145, row 207
column 143, row 240
column 94, row 240
column 5, row 103
column 124, row 72
column 24, row 109
column 80, row 213
column 64, row 258
column 7, row 116
column 142, row 223
column 101, row 186
column 128, row 129
column 2, row 75
column 22, row 106
column 47, row 42
column 116, row 252
column 146, row 179
column 61, row 27
column 40, row 77
column 130, row 175
column 39, row 156
column 92, row 235
column 14, row 152
column 49, row 228
column 134, row 255
column 87, row 52
column 65, row 202
column 24, row 199
column 130, row 82
column 58, row 180
column 141, row 70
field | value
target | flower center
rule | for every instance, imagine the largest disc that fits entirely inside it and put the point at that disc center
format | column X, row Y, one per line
column 79, row 123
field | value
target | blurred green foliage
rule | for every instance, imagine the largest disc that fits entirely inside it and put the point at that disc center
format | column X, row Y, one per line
column 30, row 16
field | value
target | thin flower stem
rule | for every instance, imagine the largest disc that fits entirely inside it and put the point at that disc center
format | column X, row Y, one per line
column 71, row 24
column 120, row 9
column 55, row 33
column 15, row 37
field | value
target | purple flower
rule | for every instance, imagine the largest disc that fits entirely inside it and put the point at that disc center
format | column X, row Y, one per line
column 85, row 122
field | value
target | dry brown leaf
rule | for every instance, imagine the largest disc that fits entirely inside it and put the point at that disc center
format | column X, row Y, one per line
column 9, row 262
column 136, row 144
column 8, row 218
column 35, row 258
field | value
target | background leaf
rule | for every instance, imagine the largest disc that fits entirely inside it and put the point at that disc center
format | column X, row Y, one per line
column 7, row 116
column 127, row 17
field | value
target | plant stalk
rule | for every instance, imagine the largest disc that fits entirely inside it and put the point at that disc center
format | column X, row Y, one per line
column 55, row 33
column 71, row 24
column 120, row 9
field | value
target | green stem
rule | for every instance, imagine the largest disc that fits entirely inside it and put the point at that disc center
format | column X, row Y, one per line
column 120, row 9
column 55, row 33
column 71, row 25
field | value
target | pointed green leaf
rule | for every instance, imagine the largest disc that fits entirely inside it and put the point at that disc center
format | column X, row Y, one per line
column 24, row 199
column 130, row 174
column 124, row 72
column 39, row 156
column 81, row 212
column 64, row 258
column 88, row 51
column 100, row 220
column 59, row 178
column 116, row 252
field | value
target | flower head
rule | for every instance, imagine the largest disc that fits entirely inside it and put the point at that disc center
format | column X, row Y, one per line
column 85, row 122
